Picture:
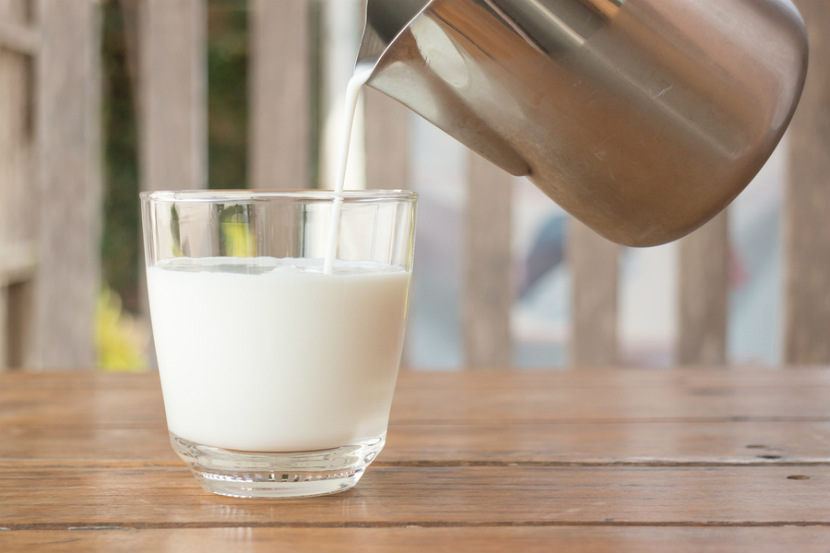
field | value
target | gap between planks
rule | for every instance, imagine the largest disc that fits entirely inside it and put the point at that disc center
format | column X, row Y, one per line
column 85, row 464
column 80, row 526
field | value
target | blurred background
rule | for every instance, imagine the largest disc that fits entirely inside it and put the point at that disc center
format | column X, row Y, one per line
column 225, row 145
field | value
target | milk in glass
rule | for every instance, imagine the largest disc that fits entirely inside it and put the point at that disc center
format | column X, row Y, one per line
column 266, row 354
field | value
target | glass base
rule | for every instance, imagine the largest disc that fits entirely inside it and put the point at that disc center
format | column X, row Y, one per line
column 267, row 474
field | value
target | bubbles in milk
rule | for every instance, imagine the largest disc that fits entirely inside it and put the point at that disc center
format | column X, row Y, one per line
column 361, row 75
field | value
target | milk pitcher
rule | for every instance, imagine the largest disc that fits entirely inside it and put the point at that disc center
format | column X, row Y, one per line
column 642, row 118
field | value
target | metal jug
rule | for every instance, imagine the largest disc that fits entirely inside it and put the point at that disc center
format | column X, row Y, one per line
column 642, row 118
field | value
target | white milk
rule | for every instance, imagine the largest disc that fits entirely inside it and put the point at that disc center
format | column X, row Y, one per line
column 359, row 78
column 261, row 354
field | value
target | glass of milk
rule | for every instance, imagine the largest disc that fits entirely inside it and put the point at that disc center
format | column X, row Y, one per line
column 278, row 320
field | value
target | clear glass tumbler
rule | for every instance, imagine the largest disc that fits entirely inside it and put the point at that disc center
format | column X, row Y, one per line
column 278, row 320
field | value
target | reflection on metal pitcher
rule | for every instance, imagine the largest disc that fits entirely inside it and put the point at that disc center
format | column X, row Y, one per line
column 643, row 118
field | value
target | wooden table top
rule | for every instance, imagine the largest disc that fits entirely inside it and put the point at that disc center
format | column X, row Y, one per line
column 624, row 460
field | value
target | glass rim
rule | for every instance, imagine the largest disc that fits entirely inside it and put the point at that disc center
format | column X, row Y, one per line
column 243, row 195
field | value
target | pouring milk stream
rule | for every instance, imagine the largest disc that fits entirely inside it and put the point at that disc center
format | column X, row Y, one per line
column 356, row 82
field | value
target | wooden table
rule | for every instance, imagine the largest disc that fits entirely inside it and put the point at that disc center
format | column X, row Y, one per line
column 625, row 460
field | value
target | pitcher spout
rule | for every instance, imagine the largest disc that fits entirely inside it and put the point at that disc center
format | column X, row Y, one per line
column 414, row 61
column 385, row 20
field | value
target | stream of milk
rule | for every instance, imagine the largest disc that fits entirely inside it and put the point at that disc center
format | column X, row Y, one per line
column 361, row 75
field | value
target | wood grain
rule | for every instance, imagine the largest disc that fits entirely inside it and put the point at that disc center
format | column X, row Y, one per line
column 807, row 213
column 18, row 267
column 18, row 257
column 603, row 404
column 19, row 38
column 594, row 263
column 4, row 329
column 483, row 398
column 459, row 444
column 64, row 496
column 68, row 122
column 18, row 186
column 460, row 419
column 487, row 279
column 280, row 95
column 567, row 539
column 605, row 460
column 173, row 94
column 21, row 333
column 644, row 444
column 703, row 286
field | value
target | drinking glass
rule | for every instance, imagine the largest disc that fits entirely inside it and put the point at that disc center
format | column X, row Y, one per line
column 278, row 320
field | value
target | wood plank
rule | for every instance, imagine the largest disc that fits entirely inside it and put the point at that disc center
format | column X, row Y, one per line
column 173, row 94
column 744, row 377
column 22, row 39
column 567, row 539
column 18, row 262
column 593, row 444
column 64, row 496
column 510, row 482
column 703, row 288
column 21, row 334
column 464, row 444
column 4, row 329
column 597, row 397
column 487, row 419
column 18, row 12
column 18, row 189
column 487, row 284
column 171, row 100
column 387, row 142
column 609, row 404
column 807, row 212
column 594, row 297
column 280, row 95
column 69, row 150
column 683, row 381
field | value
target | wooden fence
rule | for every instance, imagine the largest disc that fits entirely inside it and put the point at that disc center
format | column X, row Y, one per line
column 50, row 184
column 50, row 181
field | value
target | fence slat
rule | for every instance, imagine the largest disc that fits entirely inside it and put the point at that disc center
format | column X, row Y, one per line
column 18, row 191
column 594, row 292
column 387, row 149
column 19, row 38
column 280, row 94
column 5, row 319
column 703, row 272
column 387, row 142
column 173, row 94
column 20, row 337
column 18, row 262
column 67, row 129
column 487, row 286
column 807, row 213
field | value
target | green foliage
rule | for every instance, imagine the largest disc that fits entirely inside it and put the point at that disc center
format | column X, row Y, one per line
column 119, row 339
column 227, row 60
column 237, row 238
column 120, row 237
column 227, row 55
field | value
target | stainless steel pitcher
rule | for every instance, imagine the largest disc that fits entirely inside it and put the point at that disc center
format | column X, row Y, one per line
column 643, row 118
